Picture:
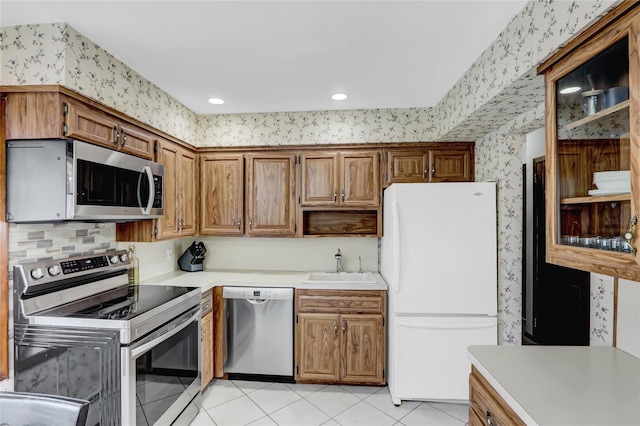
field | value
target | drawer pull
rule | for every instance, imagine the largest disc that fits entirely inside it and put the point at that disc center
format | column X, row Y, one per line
column 489, row 419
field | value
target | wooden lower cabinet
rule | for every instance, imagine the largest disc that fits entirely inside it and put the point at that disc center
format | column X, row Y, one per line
column 340, row 336
column 206, row 346
column 487, row 407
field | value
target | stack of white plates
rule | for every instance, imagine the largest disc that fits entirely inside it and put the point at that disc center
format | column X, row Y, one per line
column 617, row 182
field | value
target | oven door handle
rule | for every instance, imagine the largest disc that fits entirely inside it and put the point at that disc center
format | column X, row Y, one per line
column 134, row 352
column 147, row 170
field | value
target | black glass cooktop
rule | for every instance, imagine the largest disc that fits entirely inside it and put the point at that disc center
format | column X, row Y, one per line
column 122, row 303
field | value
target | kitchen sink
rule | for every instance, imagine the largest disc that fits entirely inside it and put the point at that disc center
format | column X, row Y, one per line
column 341, row 277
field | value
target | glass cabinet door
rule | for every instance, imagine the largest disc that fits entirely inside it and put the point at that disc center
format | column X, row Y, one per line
column 592, row 158
column 592, row 153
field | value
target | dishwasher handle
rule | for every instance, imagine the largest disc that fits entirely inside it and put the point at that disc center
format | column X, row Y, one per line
column 257, row 301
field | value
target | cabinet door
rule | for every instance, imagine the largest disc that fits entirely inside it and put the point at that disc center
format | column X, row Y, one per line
column 317, row 347
column 270, row 194
column 319, row 179
column 87, row 124
column 362, row 348
column 136, row 141
column 592, row 192
column 221, row 194
column 407, row 166
column 449, row 166
column 207, row 349
column 360, row 179
column 187, row 191
column 168, row 155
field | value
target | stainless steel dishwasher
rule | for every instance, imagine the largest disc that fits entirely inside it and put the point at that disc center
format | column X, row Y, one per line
column 259, row 335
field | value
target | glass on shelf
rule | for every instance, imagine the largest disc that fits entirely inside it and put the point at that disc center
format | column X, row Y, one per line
column 592, row 119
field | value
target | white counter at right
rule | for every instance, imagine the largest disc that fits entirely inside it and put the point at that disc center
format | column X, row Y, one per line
column 564, row 385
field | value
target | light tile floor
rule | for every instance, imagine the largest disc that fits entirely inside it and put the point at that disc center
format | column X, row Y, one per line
column 258, row 403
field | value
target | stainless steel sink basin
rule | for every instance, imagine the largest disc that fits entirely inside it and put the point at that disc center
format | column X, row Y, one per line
column 342, row 277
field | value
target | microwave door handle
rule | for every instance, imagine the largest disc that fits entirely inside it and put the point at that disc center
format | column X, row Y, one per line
column 147, row 170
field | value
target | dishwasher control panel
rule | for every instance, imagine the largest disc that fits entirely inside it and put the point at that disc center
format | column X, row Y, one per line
column 257, row 293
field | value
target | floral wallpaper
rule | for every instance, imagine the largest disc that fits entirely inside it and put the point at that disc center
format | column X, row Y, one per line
column 601, row 310
column 495, row 102
column 58, row 54
column 318, row 127
column 502, row 82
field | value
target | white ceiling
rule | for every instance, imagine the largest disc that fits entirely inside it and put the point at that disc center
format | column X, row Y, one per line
column 264, row 56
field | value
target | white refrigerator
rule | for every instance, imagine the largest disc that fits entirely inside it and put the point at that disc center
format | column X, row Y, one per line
column 439, row 259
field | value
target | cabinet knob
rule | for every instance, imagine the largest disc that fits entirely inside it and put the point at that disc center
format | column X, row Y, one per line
column 335, row 195
column 433, row 170
column 116, row 135
column 629, row 234
column 239, row 224
column 124, row 139
column 335, row 327
column 343, row 195
column 344, row 326
column 424, row 172
column 250, row 223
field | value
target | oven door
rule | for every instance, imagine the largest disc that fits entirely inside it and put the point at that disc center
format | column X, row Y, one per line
column 161, row 374
column 113, row 185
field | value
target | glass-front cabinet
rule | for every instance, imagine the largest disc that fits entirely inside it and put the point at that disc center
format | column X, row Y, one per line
column 592, row 158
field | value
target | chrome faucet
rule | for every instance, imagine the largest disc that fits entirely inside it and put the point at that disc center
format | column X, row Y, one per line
column 338, row 262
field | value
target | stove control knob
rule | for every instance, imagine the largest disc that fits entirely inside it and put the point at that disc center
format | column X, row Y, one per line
column 124, row 257
column 37, row 273
column 54, row 270
column 114, row 259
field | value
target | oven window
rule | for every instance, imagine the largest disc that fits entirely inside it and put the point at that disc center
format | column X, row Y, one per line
column 104, row 185
column 166, row 372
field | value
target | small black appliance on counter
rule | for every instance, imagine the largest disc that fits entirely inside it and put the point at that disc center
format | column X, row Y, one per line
column 191, row 260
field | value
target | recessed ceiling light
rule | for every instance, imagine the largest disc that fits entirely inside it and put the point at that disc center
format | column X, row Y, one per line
column 216, row 101
column 339, row 97
column 572, row 89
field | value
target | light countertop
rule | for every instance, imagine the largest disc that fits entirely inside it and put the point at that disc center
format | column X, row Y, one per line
column 211, row 278
column 564, row 385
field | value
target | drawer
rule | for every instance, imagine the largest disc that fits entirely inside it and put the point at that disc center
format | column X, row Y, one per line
column 207, row 302
column 344, row 301
column 487, row 404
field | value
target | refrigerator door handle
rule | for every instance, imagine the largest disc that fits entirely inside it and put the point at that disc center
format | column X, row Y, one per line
column 443, row 326
column 396, row 247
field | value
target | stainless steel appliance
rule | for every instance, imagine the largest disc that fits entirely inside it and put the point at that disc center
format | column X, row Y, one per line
column 259, row 325
column 56, row 180
column 132, row 350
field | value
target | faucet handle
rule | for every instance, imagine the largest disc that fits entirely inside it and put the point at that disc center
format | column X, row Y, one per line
column 338, row 253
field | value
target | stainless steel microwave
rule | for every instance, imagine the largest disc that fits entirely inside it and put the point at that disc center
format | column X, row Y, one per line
column 55, row 180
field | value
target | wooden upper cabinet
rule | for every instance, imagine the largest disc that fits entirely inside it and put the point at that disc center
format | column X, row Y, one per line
column 407, row 166
column 319, row 178
column 449, row 166
column 271, row 194
column 429, row 165
column 188, row 192
column 180, row 180
column 360, row 178
column 593, row 136
column 89, row 124
column 345, row 178
column 222, row 183
column 135, row 140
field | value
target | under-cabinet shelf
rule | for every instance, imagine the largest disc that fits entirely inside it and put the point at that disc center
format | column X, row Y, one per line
column 596, row 199
column 608, row 111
